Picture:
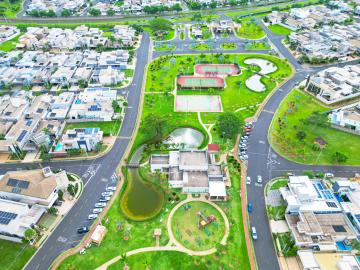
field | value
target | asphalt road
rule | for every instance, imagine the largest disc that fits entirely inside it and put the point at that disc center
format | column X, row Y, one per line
column 98, row 173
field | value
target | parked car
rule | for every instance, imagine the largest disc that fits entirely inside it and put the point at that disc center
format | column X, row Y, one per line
column 290, row 174
column 242, row 145
column 110, row 188
column 83, row 230
column 92, row 216
column 259, row 179
column 97, row 210
column 245, row 137
column 254, row 233
column 249, row 207
column 245, row 157
column 248, row 180
column 100, row 205
column 104, row 199
column 107, row 193
column 329, row 175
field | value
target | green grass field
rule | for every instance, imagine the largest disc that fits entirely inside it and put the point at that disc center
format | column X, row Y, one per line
column 10, row 9
column 109, row 128
column 164, row 47
column 228, row 46
column 233, row 256
column 200, row 47
column 236, row 97
column 14, row 255
column 168, row 36
column 279, row 29
column 257, row 46
column 9, row 45
column 186, row 228
column 250, row 30
column 293, row 111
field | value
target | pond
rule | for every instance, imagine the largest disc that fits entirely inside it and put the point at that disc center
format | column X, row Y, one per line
column 185, row 138
column 265, row 65
column 254, row 83
column 142, row 200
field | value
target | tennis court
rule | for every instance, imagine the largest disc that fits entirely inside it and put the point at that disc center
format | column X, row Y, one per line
column 195, row 103
column 192, row 82
column 217, row 69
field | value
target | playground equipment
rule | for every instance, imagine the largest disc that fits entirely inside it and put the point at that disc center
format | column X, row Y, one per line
column 205, row 220
column 187, row 207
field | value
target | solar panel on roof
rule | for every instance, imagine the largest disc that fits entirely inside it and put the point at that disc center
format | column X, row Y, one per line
column 339, row 228
column 28, row 123
column 18, row 183
column 21, row 136
column 9, row 215
column 331, row 204
column 4, row 221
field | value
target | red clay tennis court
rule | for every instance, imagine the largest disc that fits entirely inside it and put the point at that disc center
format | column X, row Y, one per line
column 189, row 82
column 217, row 69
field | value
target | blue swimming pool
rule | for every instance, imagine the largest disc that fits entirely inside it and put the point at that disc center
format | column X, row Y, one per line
column 58, row 147
column 342, row 247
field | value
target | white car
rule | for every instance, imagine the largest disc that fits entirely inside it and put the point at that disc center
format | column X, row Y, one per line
column 329, row 175
column 100, row 205
column 107, row 193
column 92, row 216
column 97, row 210
column 104, row 199
column 110, row 188
column 248, row 180
column 254, row 233
column 245, row 157
column 259, row 179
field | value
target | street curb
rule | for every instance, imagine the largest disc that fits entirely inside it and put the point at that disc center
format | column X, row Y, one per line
column 245, row 216
column 58, row 222
column 120, row 184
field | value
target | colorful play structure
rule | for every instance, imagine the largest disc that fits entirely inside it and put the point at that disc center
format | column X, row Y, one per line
column 205, row 220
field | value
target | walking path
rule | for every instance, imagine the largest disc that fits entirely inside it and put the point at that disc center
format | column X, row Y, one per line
column 207, row 127
column 173, row 244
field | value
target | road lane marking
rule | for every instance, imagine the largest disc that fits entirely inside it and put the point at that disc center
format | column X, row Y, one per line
column 271, row 112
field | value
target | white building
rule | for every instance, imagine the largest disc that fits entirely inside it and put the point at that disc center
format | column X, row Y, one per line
column 347, row 117
column 192, row 171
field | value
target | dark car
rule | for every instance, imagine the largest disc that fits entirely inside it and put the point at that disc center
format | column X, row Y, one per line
column 83, row 230
column 249, row 207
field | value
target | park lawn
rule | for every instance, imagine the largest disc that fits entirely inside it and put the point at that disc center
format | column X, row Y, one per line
column 207, row 34
column 200, row 47
column 164, row 47
column 14, row 255
column 233, row 256
column 109, row 128
column 279, row 183
column 235, row 14
column 236, row 97
column 279, row 29
column 250, row 30
column 9, row 45
column 294, row 109
column 257, row 46
column 168, row 36
column 186, row 229
column 228, row 46
column 10, row 8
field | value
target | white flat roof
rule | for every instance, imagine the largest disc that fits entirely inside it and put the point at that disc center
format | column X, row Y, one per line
column 217, row 188
column 308, row 260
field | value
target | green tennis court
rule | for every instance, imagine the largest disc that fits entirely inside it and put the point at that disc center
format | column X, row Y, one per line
column 200, row 82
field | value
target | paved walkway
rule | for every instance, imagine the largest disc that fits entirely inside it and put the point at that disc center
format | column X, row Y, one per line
column 173, row 244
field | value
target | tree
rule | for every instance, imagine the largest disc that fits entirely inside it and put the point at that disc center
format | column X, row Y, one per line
column 98, row 146
column 29, row 234
column 339, row 157
column 301, row 135
column 52, row 211
column 160, row 24
column 110, row 12
column 65, row 13
column 229, row 125
column 94, row 12
column 154, row 124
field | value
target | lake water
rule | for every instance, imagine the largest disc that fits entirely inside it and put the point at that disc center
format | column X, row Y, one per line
column 141, row 200
column 185, row 138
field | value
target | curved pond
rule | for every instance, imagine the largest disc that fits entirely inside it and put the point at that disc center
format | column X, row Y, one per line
column 185, row 138
column 141, row 200
column 265, row 65
column 254, row 83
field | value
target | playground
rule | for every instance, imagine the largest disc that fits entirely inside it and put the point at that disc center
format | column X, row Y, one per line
column 217, row 69
column 198, row 225
column 200, row 82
